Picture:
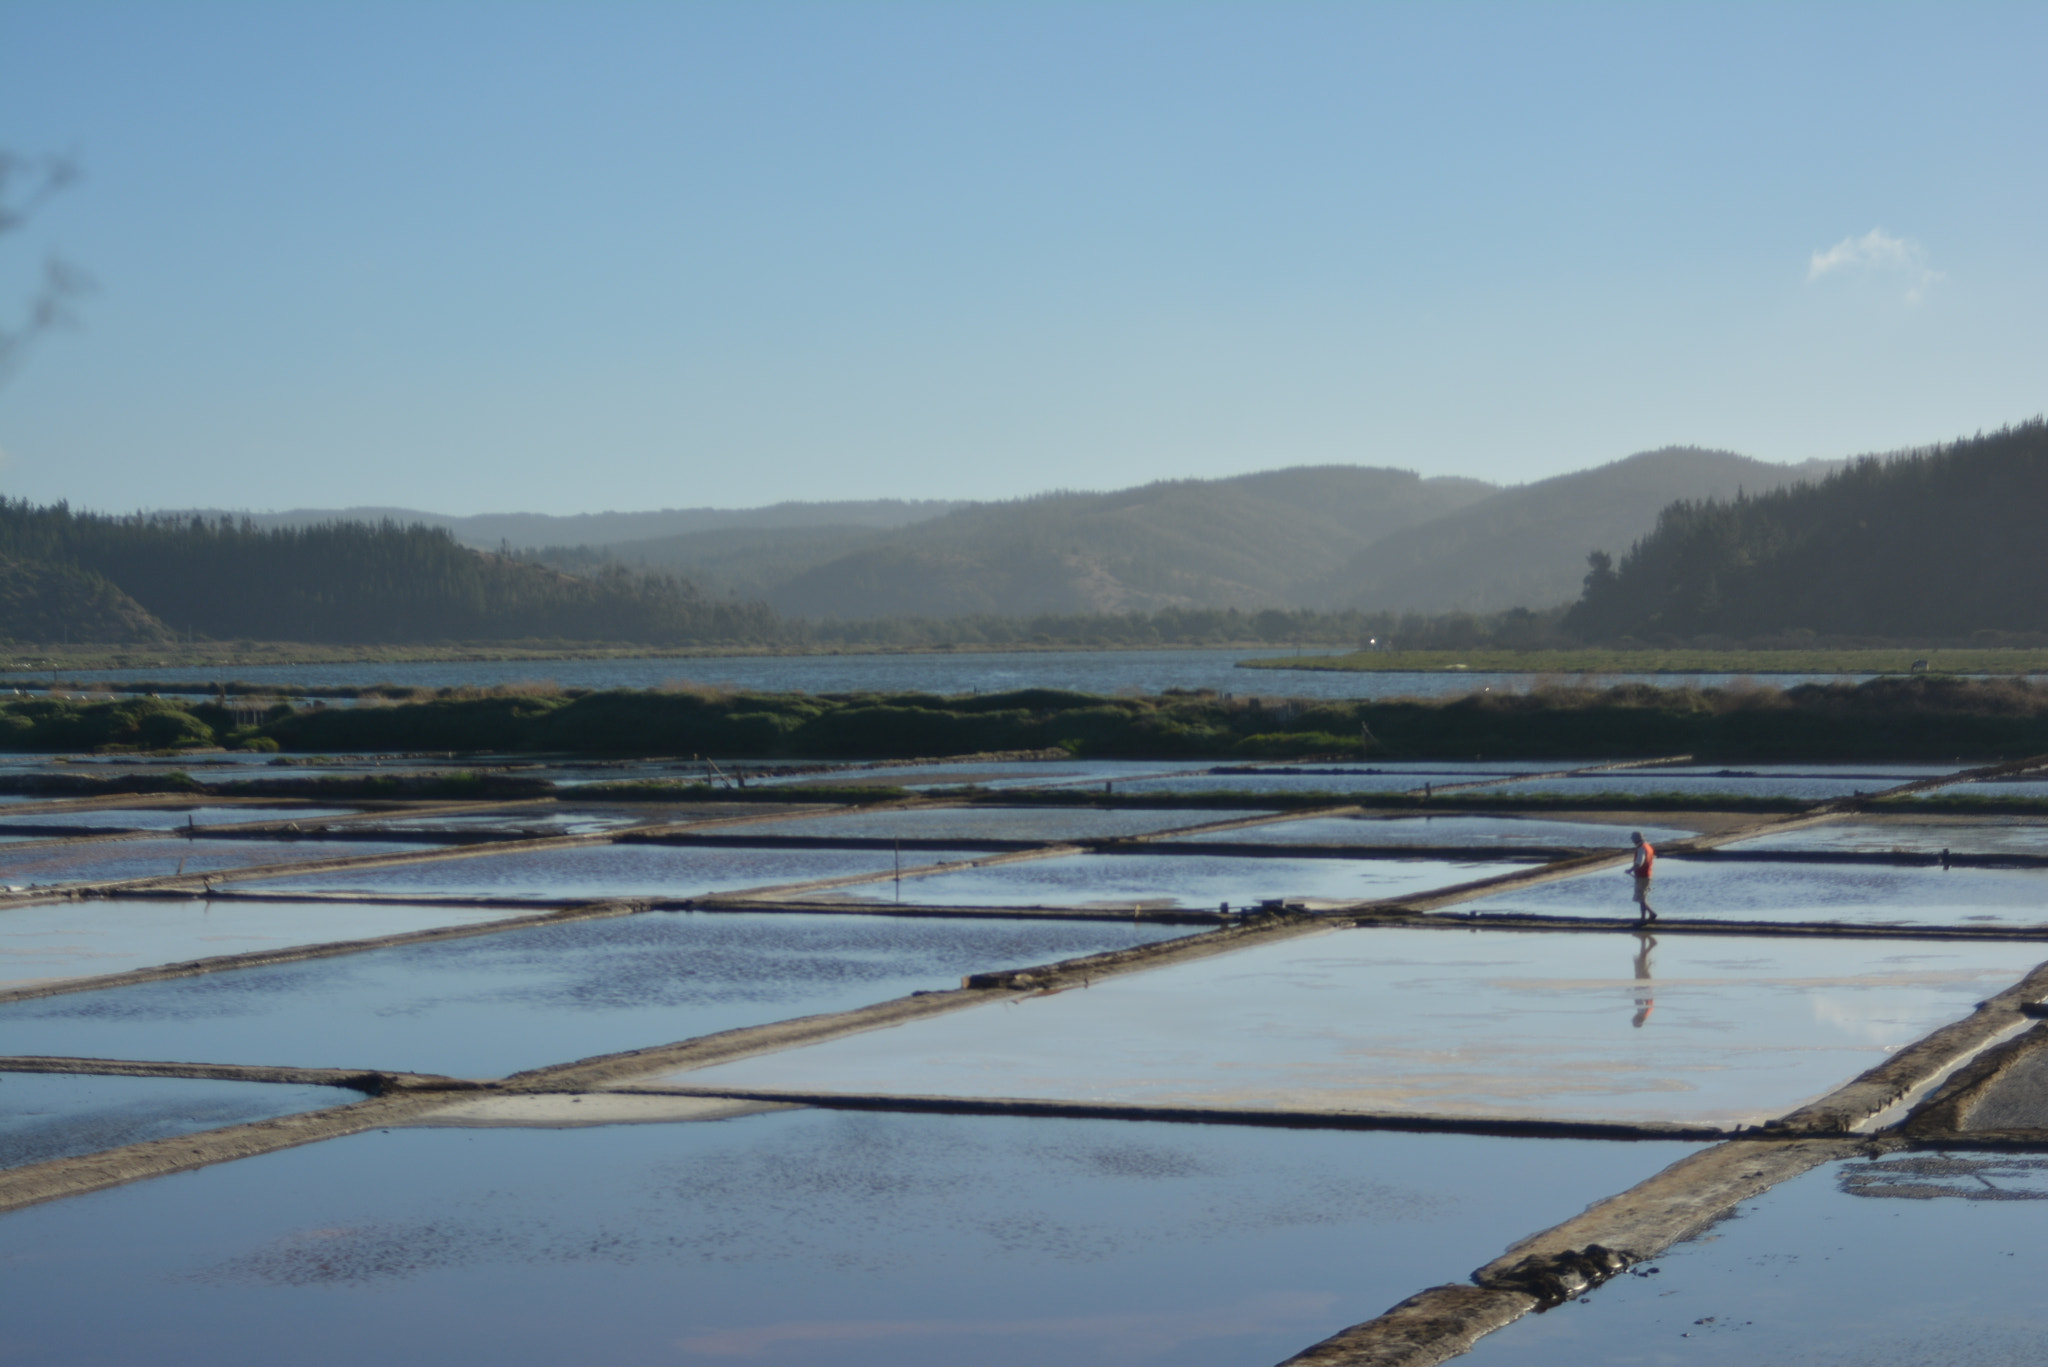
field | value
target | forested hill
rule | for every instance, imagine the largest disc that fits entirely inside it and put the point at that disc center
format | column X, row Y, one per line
column 1938, row 543
column 1526, row 546
column 1225, row 543
column 343, row 582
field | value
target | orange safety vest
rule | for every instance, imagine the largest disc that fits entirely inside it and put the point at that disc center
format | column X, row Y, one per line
column 1646, row 860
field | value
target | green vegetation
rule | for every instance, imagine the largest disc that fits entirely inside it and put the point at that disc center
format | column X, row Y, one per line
column 1244, row 542
column 1910, row 718
column 1526, row 546
column 153, row 577
column 1940, row 543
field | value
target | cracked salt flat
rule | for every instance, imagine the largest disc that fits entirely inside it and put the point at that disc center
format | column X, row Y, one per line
column 163, row 856
column 791, row 1239
column 44, row 1116
column 487, row 1005
column 1479, row 832
column 58, row 941
column 1907, row 1261
column 1730, row 890
column 1473, row 1023
column 1159, row 882
column 604, row 871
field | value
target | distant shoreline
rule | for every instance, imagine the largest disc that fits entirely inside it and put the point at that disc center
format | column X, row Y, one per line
column 43, row 659
column 1679, row 661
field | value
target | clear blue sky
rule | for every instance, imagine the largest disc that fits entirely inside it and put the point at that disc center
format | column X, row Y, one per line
column 567, row 257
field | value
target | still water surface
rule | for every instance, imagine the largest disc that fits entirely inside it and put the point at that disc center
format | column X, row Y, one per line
column 795, row 1239
column 1085, row 671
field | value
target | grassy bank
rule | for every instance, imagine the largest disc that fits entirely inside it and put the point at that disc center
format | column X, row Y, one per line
column 1897, row 719
column 1591, row 660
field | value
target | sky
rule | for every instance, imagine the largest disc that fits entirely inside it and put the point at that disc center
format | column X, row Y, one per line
column 483, row 257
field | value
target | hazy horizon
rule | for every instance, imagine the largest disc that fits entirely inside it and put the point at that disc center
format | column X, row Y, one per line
column 470, row 257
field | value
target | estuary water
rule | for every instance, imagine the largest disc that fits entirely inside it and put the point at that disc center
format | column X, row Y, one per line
column 1083, row 671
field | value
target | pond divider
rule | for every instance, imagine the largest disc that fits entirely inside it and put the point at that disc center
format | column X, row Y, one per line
column 260, row 958
column 1572, row 1258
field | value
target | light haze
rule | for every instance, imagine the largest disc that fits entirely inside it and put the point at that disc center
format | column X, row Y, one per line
column 476, row 257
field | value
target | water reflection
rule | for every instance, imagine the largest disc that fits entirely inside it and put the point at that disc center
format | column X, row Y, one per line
column 1646, row 999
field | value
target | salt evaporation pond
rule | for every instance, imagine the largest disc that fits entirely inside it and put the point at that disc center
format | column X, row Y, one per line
column 997, row 823
column 1809, row 786
column 1733, row 890
column 1924, row 835
column 54, row 941
column 1478, row 832
column 1992, row 790
column 539, row 822
column 171, row 818
column 1902, row 1261
column 164, row 856
column 44, row 1116
column 787, row 1239
column 1363, row 782
column 1158, row 882
column 487, row 1005
column 996, row 774
column 605, row 871
column 1481, row 1023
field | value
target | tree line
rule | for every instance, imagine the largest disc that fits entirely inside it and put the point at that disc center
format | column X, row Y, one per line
column 351, row 582
column 1941, row 543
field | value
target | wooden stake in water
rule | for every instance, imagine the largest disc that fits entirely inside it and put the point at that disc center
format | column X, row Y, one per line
column 899, row 870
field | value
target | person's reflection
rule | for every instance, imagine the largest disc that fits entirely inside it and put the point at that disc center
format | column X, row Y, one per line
column 1646, row 1000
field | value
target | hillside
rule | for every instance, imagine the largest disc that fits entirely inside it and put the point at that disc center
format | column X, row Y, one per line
column 1241, row 542
column 44, row 602
column 81, row 576
column 1940, row 543
column 523, row 531
column 746, row 562
column 1527, row 546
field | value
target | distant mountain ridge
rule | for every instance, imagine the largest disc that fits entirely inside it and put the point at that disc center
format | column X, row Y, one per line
column 1527, row 546
column 1324, row 537
column 1241, row 542
column 488, row 531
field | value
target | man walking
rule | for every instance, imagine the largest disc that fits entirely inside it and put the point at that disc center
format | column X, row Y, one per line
column 1640, row 868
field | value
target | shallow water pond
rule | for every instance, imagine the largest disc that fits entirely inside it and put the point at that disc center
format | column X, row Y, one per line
column 1928, row 835
column 61, row 1115
column 1479, row 832
column 793, row 1239
column 1165, row 881
column 999, row 823
column 1565, row 1025
column 1811, row 785
column 163, row 856
column 171, row 818
column 1905, row 1261
column 600, row 871
column 1732, row 890
column 992, row 773
column 486, row 1005
column 59, row 940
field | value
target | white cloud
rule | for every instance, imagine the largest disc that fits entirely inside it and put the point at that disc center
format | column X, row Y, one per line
column 1878, row 252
